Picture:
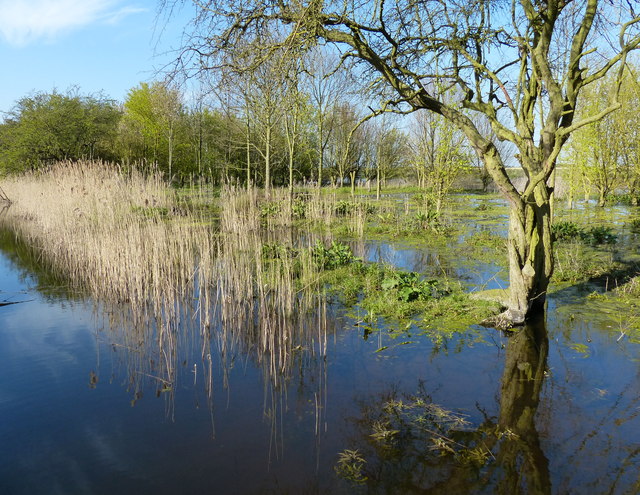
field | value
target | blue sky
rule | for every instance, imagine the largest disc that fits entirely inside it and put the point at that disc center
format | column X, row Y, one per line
column 97, row 45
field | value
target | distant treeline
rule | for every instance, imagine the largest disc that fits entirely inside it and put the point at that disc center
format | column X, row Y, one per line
column 251, row 140
column 312, row 131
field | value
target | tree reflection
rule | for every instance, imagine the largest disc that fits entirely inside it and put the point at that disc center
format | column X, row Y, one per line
column 409, row 444
column 525, row 467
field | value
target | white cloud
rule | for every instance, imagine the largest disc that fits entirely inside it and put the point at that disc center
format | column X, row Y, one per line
column 26, row 21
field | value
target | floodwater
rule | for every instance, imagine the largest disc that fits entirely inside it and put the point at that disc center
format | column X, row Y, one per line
column 81, row 410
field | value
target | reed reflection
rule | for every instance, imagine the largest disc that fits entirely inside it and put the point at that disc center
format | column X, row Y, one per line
column 182, row 302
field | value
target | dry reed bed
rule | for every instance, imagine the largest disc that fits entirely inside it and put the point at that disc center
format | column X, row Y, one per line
column 113, row 233
column 86, row 221
column 276, row 301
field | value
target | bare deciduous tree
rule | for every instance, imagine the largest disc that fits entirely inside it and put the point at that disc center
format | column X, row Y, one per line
column 521, row 64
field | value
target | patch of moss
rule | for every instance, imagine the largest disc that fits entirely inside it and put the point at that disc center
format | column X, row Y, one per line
column 500, row 296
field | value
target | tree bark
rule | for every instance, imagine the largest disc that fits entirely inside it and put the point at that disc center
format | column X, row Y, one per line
column 530, row 251
column 267, row 162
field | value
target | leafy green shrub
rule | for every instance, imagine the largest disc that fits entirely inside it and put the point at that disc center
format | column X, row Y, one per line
column 622, row 199
column 600, row 235
column 269, row 209
column 299, row 208
column 333, row 257
column 410, row 287
column 272, row 251
column 566, row 231
column 343, row 207
column 424, row 221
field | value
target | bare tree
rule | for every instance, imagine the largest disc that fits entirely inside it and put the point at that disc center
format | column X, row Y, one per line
column 439, row 156
column 294, row 105
column 522, row 64
column 326, row 85
column 345, row 148
column 390, row 151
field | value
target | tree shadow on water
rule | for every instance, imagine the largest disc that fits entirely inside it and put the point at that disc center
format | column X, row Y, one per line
column 408, row 444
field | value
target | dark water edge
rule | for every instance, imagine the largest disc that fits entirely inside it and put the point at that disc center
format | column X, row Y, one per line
column 78, row 413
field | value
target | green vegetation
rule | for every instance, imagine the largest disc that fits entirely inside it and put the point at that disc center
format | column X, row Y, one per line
column 436, row 307
column 566, row 231
column 333, row 257
column 45, row 128
column 457, row 110
column 250, row 214
column 288, row 117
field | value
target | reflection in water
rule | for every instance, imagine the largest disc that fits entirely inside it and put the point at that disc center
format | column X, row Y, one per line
column 281, row 353
column 520, row 457
column 292, row 349
column 408, row 444
column 193, row 317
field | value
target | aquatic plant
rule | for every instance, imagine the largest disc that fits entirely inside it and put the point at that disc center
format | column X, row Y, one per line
column 566, row 230
column 133, row 243
column 350, row 466
column 635, row 225
column 336, row 255
column 600, row 235
column 410, row 286
column 577, row 262
column 396, row 431
column 298, row 208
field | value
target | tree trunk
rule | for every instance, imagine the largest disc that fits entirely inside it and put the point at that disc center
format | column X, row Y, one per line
column 530, row 250
column 248, row 150
column 439, row 196
column 170, row 151
column 267, row 163
column 320, row 153
column 586, row 187
column 291, row 178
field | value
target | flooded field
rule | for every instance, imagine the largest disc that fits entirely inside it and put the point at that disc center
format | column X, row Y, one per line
column 329, row 399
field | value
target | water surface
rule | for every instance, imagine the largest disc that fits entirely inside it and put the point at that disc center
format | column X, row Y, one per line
column 81, row 410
